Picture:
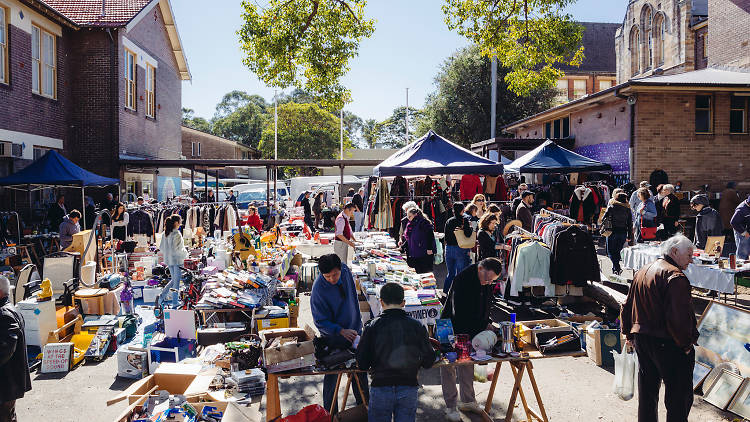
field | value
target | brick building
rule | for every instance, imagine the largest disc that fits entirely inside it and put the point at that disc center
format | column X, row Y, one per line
column 202, row 145
column 597, row 72
column 95, row 79
column 691, row 123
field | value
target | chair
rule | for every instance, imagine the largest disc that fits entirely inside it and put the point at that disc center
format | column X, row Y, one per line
column 24, row 276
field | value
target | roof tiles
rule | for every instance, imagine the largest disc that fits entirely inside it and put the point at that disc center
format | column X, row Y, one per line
column 89, row 12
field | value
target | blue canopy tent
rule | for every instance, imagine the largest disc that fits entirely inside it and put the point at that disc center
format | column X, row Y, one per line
column 54, row 170
column 552, row 158
column 432, row 155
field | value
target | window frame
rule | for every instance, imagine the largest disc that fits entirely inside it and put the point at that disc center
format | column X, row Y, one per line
column 40, row 63
column 608, row 81
column 744, row 114
column 4, row 54
column 557, row 126
column 585, row 88
column 710, row 114
column 195, row 147
column 150, row 93
column 131, row 85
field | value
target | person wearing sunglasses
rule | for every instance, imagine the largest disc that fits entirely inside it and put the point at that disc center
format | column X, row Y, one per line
column 481, row 202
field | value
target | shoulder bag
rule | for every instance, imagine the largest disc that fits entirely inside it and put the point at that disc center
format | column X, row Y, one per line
column 463, row 241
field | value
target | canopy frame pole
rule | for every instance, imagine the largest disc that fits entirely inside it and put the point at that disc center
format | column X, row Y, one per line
column 205, row 186
column 341, row 186
column 83, row 202
column 216, row 194
column 192, row 181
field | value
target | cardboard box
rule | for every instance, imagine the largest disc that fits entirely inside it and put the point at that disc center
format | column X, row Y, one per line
column 131, row 363
column 172, row 377
column 150, row 294
column 555, row 325
column 288, row 356
column 600, row 343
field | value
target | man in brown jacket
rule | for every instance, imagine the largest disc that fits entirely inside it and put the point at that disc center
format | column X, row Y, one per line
column 659, row 321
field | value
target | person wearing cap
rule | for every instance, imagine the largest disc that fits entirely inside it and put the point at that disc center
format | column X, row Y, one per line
column 523, row 212
column 707, row 222
column 741, row 225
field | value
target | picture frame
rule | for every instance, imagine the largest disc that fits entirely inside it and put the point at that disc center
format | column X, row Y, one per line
column 740, row 404
column 714, row 245
column 700, row 372
column 719, row 323
column 721, row 392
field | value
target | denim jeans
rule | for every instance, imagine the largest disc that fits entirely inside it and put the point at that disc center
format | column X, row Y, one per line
column 743, row 245
column 456, row 259
column 615, row 243
column 176, row 273
column 329, row 385
column 396, row 403
column 359, row 218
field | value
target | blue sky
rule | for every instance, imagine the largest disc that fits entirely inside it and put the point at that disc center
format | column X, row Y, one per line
column 408, row 46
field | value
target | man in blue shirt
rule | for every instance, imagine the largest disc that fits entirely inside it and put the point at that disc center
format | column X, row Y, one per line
column 335, row 310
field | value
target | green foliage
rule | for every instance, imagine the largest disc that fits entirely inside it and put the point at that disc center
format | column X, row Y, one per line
column 304, row 43
column 305, row 131
column 370, row 132
column 391, row 132
column 238, row 99
column 529, row 37
column 240, row 117
column 460, row 110
column 198, row 123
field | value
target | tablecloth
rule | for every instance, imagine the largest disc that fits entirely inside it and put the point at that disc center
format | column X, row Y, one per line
column 709, row 277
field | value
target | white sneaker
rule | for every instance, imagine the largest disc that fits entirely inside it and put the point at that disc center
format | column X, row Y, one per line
column 472, row 407
column 452, row 415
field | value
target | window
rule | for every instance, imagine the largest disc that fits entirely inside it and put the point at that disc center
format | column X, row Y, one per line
column 635, row 45
column 647, row 20
column 562, row 91
column 195, row 149
column 738, row 114
column 605, row 84
column 3, row 47
column 703, row 115
column 39, row 152
column 579, row 88
column 659, row 39
column 557, row 129
column 150, row 83
column 130, row 79
column 705, row 45
column 44, row 63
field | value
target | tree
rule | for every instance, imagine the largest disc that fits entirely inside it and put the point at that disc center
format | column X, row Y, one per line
column 459, row 109
column 529, row 37
column 391, row 132
column 305, row 131
column 197, row 123
column 304, row 43
column 240, row 117
column 370, row 132
column 353, row 126
column 237, row 99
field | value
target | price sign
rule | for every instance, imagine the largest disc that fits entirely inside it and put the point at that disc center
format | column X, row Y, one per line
column 57, row 357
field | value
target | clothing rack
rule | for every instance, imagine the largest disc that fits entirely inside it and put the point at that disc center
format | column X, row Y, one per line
column 526, row 232
column 558, row 216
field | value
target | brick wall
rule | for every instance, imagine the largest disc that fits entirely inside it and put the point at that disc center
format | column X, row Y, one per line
column 23, row 111
column 666, row 139
column 141, row 135
column 94, row 120
column 701, row 53
column 729, row 39
column 212, row 147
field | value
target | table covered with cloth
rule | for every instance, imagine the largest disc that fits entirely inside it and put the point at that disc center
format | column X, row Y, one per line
column 709, row 277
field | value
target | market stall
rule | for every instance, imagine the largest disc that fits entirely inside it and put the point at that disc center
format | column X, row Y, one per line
column 705, row 271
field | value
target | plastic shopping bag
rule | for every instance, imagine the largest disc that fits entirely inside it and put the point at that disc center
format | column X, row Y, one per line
column 626, row 370
column 312, row 413
column 438, row 252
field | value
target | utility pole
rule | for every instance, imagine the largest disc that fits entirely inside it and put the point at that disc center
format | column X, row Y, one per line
column 407, row 115
column 493, row 99
column 275, row 139
column 341, row 133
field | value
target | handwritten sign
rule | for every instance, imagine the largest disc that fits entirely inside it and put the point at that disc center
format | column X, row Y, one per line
column 57, row 357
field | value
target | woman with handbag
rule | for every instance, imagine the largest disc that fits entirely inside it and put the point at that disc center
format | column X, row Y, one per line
column 420, row 241
column 617, row 225
column 644, row 225
column 456, row 256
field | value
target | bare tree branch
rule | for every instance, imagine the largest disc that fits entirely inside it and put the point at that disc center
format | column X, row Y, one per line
column 345, row 4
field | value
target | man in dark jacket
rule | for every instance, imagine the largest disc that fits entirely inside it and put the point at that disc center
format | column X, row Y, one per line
column 394, row 346
column 707, row 222
column 741, row 225
column 468, row 307
column 14, row 365
column 523, row 187
column 523, row 212
column 56, row 213
column 659, row 321
column 335, row 309
column 670, row 216
column 308, row 212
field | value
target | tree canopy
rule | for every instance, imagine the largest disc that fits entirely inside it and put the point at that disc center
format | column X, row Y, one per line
column 304, row 43
column 459, row 109
column 529, row 37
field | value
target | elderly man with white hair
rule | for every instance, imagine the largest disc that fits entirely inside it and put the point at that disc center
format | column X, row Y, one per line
column 14, row 365
column 659, row 321
column 670, row 207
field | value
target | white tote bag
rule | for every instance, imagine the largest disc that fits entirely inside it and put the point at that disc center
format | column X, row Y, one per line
column 626, row 371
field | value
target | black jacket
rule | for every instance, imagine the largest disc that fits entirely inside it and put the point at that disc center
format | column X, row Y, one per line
column 394, row 346
column 306, row 207
column 671, row 211
column 451, row 225
column 14, row 363
column 707, row 223
column 620, row 216
column 523, row 213
column 55, row 216
column 486, row 245
column 574, row 258
column 468, row 303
